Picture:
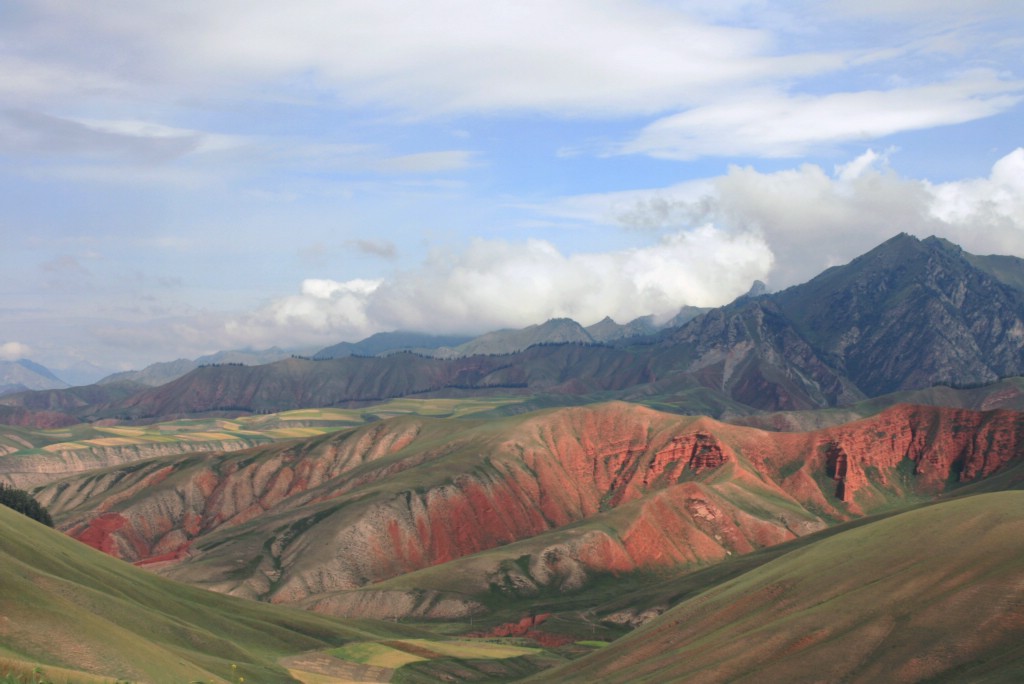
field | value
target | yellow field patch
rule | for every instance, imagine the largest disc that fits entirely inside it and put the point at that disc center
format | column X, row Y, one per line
column 64, row 446
column 471, row 648
column 123, row 431
column 111, row 441
column 288, row 433
column 319, row 414
column 205, row 436
column 378, row 655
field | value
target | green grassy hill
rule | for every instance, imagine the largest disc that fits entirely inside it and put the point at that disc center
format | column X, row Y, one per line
column 933, row 594
column 69, row 608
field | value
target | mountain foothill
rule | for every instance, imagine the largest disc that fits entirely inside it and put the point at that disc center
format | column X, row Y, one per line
column 822, row 483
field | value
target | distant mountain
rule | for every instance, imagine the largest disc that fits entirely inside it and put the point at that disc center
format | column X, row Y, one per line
column 554, row 331
column 161, row 373
column 22, row 375
column 910, row 314
column 81, row 373
column 685, row 315
column 153, row 375
column 390, row 342
column 607, row 330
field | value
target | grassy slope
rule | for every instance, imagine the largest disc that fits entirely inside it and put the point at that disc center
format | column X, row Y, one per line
column 935, row 593
column 66, row 605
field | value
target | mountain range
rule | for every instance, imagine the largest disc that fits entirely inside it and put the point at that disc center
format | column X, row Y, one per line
column 23, row 375
column 817, row 484
column 907, row 315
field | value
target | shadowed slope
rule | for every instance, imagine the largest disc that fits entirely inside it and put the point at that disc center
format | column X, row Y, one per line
column 66, row 605
column 933, row 594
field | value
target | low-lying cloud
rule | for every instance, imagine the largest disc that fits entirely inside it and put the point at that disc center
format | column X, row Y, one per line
column 495, row 284
column 13, row 351
column 715, row 238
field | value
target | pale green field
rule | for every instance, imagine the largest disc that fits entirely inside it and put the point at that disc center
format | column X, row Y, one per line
column 471, row 648
column 376, row 654
column 384, row 655
column 193, row 434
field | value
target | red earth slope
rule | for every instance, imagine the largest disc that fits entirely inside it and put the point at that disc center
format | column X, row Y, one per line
column 620, row 487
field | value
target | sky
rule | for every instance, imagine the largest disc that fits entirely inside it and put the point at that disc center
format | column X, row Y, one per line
column 185, row 177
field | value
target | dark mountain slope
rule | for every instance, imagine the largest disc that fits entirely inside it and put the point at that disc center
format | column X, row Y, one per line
column 301, row 383
column 750, row 351
column 911, row 314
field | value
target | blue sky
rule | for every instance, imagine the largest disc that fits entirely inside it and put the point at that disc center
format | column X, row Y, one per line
column 180, row 178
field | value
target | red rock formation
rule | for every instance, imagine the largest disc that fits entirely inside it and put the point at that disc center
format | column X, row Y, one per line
column 339, row 512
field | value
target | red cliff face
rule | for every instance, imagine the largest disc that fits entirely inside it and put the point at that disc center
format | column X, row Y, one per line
column 289, row 522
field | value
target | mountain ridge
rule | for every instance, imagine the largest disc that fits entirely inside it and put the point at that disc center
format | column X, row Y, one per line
column 908, row 314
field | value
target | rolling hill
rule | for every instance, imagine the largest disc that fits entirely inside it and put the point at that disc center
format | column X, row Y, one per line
column 83, row 616
column 934, row 594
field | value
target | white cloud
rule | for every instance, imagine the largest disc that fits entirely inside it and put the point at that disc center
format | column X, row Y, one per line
column 985, row 215
column 774, row 124
column 725, row 78
column 810, row 219
column 13, row 351
column 442, row 56
column 34, row 132
column 495, row 284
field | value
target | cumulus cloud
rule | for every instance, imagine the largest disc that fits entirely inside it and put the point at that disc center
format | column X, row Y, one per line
column 13, row 351
column 985, row 215
column 495, row 284
column 717, row 236
column 811, row 219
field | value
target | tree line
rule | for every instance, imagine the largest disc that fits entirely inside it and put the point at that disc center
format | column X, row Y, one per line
column 22, row 501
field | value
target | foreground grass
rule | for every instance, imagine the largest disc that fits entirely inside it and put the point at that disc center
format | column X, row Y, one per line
column 66, row 606
column 930, row 594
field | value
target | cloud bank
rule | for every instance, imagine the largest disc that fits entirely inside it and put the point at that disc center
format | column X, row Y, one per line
column 782, row 227
column 496, row 284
